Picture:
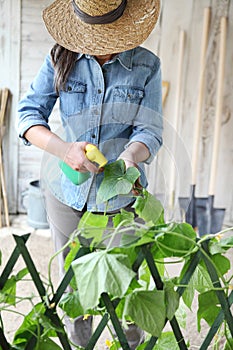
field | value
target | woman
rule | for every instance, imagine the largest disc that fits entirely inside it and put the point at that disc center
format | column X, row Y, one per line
column 109, row 90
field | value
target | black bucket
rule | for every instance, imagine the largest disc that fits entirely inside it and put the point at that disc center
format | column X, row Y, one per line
column 37, row 216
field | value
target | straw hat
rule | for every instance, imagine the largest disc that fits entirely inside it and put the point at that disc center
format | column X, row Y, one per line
column 99, row 27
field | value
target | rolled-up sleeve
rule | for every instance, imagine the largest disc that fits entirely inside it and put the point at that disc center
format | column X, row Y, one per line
column 37, row 104
column 148, row 125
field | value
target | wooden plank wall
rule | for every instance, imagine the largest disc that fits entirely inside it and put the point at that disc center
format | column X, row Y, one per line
column 164, row 41
column 188, row 16
column 10, row 13
column 35, row 44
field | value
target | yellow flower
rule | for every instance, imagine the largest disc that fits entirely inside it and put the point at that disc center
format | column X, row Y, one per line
column 52, row 306
column 108, row 343
column 219, row 236
column 73, row 244
column 85, row 317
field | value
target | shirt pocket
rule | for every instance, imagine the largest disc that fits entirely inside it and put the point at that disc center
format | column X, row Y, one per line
column 126, row 101
column 72, row 98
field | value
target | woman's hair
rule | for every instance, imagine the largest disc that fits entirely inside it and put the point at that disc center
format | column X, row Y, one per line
column 63, row 61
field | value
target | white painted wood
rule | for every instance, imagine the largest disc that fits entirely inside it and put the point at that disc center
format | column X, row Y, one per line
column 224, row 179
column 191, row 21
column 171, row 23
column 219, row 105
column 35, row 44
column 177, row 15
column 201, row 91
column 176, row 114
column 10, row 14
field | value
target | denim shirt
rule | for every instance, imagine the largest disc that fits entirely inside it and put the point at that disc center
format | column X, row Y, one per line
column 109, row 106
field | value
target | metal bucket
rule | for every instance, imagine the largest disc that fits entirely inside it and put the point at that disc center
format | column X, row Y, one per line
column 36, row 212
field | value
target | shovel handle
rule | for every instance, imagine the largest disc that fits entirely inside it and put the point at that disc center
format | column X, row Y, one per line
column 219, row 104
column 3, row 104
column 198, row 119
column 177, row 113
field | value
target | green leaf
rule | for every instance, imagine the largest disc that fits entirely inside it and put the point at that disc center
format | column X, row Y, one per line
column 171, row 299
column 93, row 226
column 147, row 309
column 125, row 218
column 70, row 303
column 208, row 309
column 166, row 341
column 144, row 274
column 128, row 240
column 221, row 245
column 48, row 344
column 21, row 274
column 8, row 292
column 178, row 241
column 32, row 326
column 228, row 344
column 199, row 281
column 181, row 315
column 146, row 238
column 131, row 253
column 100, row 272
column 149, row 208
column 28, row 327
column 222, row 263
column 50, row 329
column 160, row 266
column 226, row 242
column 74, row 248
column 188, row 295
column 120, row 308
column 117, row 181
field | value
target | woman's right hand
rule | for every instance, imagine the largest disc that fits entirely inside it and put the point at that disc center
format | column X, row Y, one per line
column 72, row 153
column 75, row 157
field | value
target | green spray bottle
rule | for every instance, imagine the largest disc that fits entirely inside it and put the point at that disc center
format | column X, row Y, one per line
column 94, row 155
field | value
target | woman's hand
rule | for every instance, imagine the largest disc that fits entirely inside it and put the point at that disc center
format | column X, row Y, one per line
column 136, row 152
column 72, row 153
column 136, row 186
column 75, row 157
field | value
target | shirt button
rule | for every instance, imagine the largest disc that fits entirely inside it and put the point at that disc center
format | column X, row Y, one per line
column 99, row 91
column 93, row 136
column 69, row 88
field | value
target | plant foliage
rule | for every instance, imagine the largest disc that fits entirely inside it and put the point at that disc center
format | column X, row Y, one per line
column 145, row 294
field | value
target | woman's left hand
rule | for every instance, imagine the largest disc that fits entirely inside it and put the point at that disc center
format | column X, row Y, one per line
column 137, row 186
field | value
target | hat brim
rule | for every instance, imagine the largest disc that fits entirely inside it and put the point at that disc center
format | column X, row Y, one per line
column 127, row 32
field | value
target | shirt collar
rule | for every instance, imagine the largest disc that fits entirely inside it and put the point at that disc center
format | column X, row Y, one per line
column 79, row 55
column 125, row 58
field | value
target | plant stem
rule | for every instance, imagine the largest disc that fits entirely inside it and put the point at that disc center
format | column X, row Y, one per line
column 214, row 265
column 50, row 263
column 116, row 231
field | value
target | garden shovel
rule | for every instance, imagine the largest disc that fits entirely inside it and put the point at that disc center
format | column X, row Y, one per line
column 210, row 219
column 188, row 204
